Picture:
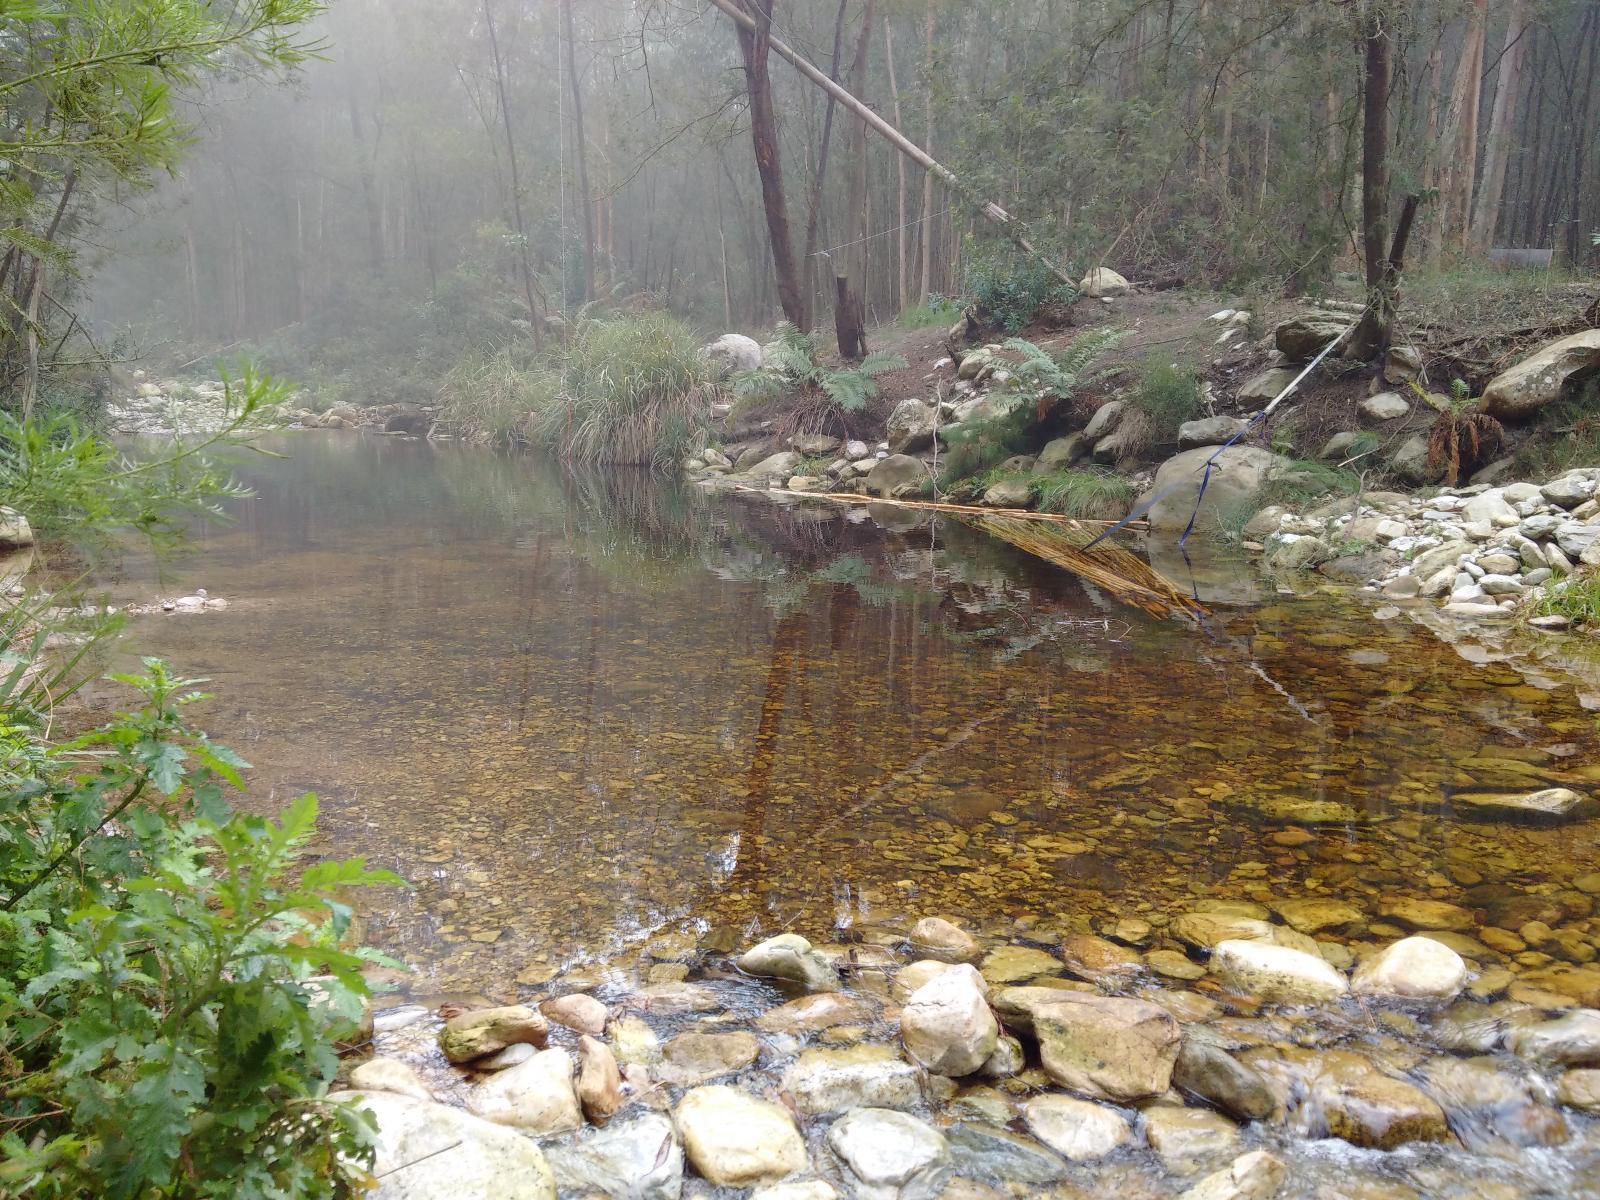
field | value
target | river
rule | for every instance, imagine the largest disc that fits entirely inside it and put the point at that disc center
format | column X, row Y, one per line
column 581, row 712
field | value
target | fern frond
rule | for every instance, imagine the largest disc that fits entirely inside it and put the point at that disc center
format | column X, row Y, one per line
column 850, row 390
column 878, row 363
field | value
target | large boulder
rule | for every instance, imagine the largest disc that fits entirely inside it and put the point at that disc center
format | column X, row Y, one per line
column 947, row 1025
column 912, row 425
column 447, row 1152
column 830, row 1079
column 1063, row 452
column 1304, row 337
column 1276, row 974
column 15, row 532
column 1539, row 380
column 1105, row 1047
column 1237, row 476
column 732, row 352
column 536, row 1095
column 736, row 1140
column 896, row 476
column 637, row 1161
column 1077, row 1129
column 489, row 1030
column 1103, row 281
column 1412, row 464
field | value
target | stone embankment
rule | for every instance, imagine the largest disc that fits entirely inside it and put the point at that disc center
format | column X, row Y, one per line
column 1198, row 1057
column 1480, row 552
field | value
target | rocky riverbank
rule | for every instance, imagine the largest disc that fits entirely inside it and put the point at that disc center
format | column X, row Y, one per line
column 1224, row 1053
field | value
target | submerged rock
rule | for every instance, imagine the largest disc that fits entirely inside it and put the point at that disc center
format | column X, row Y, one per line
column 889, row 1150
column 936, row 938
column 1276, row 974
column 1257, row 1175
column 640, row 1160
column 897, row 476
column 1549, row 806
column 870, row 1076
column 1217, row 1077
column 1077, row 1129
column 790, row 956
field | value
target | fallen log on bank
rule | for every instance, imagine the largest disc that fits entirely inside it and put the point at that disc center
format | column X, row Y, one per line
column 1059, row 540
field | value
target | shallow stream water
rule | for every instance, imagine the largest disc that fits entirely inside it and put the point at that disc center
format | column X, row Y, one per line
column 578, row 713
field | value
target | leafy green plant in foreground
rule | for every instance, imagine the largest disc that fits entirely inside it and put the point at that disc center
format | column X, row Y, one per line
column 170, row 993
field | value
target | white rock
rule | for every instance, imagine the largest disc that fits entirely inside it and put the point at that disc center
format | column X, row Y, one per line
column 888, row 1149
column 1078, row 1129
column 1257, row 1175
column 1385, row 406
column 946, row 1024
column 640, row 1160
column 1415, row 967
column 736, row 1140
column 426, row 1150
column 733, row 352
column 390, row 1075
column 1276, row 974
column 1102, row 282
column 536, row 1095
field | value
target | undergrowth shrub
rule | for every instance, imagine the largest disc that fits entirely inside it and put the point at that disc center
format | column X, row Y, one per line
column 1088, row 495
column 939, row 311
column 794, row 366
column 172, row 982
column 487, row 395
column 1011, row 289
column 626, row 388
column 1168, row 395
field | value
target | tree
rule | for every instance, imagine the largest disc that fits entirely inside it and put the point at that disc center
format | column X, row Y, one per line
column 753, row 48
column 87, row 93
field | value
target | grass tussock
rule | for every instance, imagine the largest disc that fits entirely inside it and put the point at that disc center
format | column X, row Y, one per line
column 626, row 388
column 1084, row 495
column 1577, row 599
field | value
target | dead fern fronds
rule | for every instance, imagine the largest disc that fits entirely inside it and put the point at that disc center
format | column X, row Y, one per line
column 1462, row 442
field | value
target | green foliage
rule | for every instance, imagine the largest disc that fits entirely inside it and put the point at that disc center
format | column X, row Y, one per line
column 488, row 394
column 1577, row 598
column 624, row 388
column 1038, row 375
column 939, row 312
column 794, row 366
column 977, row 445
column 1087, row 494
column 171, row 983
column 73, row 483
column 1168, row 395
column 1303, row 481
column 1011, row 289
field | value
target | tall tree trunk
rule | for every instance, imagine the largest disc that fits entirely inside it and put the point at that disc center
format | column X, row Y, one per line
column 753, row 45
column 369, row 197
column 1486, row 213
column 902, row 277
column 1373, row 335
column 856, row 226
column 814, row 208
column 535, row 318
column 927, row 180
column 1460, row 142
column 583, row 159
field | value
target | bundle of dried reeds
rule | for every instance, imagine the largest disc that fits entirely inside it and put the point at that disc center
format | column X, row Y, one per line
column 1114, row 569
